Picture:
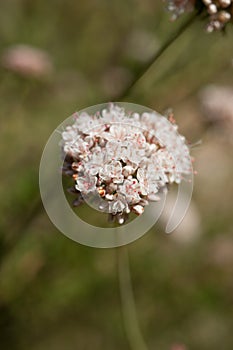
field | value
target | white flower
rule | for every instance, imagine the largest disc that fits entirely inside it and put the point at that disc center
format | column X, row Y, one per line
column 114, row 150
column 143, row 181
column 132, row 153
column 138, row 209
column 114, row 114
column 139, row 139
column 86, row 183
column 117, row 132
column 148, row 181
column 130, row 189
column 70, row 135
column 118, row 205
column 112, row 171
column 94, row 129
column 95, row 161
column 74, row 145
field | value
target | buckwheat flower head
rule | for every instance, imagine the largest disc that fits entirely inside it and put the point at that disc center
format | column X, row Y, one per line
column 125, row 158
column 219, row 12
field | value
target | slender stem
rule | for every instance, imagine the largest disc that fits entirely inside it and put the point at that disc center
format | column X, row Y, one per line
column 144, row 68
column 129, row 313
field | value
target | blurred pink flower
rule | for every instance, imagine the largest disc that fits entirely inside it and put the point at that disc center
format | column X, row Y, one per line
column 217, row 106
column 178, row 347
column 27, row 61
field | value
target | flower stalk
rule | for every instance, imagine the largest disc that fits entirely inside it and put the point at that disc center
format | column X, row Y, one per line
column 145, row 68
column 129, row 314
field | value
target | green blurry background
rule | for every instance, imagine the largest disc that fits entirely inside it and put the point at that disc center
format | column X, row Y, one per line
column 55, row 293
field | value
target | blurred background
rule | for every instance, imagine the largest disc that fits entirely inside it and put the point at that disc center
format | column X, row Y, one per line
column 57, row 57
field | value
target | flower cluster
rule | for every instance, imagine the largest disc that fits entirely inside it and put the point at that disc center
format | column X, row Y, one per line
column 220, row 12
column 177, row 7
column 126, row 158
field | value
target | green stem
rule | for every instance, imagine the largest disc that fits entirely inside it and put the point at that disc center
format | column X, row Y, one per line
column 144, row 69
column 129, row 313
